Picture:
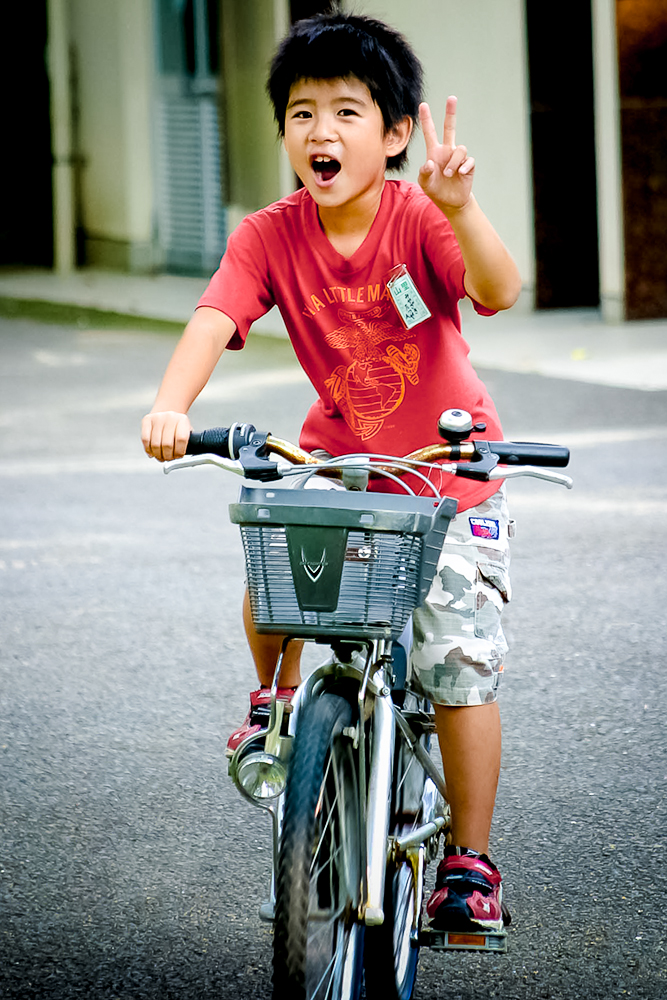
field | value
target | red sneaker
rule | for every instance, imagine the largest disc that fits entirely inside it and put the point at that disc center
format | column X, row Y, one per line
column 258, row 716
column 468, row 893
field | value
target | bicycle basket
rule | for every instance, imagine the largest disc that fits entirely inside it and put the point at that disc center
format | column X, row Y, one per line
column 334, row 563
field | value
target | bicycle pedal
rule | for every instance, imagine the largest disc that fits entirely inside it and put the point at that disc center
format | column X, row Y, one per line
column 439, row 940
column 421, row 723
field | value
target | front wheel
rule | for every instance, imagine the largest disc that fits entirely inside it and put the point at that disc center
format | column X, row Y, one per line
column 318, row 940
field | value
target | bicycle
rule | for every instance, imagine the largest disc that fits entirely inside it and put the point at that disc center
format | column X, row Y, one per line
column 357, row 803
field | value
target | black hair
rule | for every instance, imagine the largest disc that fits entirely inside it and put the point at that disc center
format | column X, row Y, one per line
column 332, row 46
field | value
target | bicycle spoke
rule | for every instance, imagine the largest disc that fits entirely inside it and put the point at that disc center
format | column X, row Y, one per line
column 335, row 853
column 335, row 970
column 320, row 800
column 324, row 917
column 329, row 813
column 331, row 964
column 404, row 776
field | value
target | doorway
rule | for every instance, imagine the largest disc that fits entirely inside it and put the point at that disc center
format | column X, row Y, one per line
column 26, row 219
column 560, row 58
column 642, row 54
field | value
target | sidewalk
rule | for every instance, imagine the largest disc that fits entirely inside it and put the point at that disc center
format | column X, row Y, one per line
column 571, row 344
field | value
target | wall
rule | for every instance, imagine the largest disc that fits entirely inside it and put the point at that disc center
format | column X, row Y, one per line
column 250, row 29
column 113, row 62
column 607, row 141
column 477, row 50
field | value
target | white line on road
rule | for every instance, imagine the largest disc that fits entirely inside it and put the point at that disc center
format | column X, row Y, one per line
column 596, row 438
column 15, row 468
column 227, row 389
column 574, row 504
column 70, row 541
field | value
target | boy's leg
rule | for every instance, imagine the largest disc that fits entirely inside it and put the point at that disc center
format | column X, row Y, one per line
column 456, row 662
column 265, row 651
column 468, row 889
column 470, row 743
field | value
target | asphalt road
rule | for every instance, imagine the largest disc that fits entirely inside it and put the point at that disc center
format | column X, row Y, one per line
column 131, row 869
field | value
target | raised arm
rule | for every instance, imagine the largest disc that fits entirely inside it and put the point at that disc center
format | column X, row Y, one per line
column 166, row 429
column 492, row 278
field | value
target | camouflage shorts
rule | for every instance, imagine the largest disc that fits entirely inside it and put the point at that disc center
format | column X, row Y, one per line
column 458, row 645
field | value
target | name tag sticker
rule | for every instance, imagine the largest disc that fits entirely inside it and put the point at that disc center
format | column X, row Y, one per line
column 410, row 305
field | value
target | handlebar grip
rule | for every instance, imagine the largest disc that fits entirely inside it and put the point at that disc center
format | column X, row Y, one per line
column 530, row 453
column 222, row 441
column 211, row 442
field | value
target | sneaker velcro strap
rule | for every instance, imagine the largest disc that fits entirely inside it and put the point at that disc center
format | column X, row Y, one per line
column 460, row 871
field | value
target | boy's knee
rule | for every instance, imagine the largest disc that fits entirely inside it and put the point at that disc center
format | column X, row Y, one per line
column 457, row 680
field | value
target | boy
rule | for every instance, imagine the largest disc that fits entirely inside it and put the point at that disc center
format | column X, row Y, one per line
column 346, row 92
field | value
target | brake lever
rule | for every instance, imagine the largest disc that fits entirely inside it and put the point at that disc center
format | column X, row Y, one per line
column 256, row 465
column 482, row 464
column 190, row 461
column 532, row 471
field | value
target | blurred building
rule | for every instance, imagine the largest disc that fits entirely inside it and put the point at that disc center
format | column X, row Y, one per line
column 137, row 133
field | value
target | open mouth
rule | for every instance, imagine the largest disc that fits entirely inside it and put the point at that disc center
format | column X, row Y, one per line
column 325, row 167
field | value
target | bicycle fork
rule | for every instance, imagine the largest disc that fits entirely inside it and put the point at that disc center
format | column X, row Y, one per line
column 376, row 806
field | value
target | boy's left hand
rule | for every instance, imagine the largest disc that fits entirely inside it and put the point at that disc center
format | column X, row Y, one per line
column 447, row 175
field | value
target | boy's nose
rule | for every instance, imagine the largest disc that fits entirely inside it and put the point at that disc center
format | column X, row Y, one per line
column 322, row 128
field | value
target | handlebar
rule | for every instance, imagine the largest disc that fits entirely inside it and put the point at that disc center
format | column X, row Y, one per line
column 251, row 453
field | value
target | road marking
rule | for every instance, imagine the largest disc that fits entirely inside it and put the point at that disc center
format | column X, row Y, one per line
column 228, row 389
column 69, row 541
column 573, row 503
column 594, row 438
column 62, row 550
column 52, row 359
column 644, row 371
column 239, row 386
column 48, row 561
column 14, row 468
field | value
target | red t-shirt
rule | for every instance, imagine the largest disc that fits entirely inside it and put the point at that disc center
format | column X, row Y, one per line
column 381, row 387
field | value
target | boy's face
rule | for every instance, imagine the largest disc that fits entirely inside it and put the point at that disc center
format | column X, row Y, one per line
column 336, row 140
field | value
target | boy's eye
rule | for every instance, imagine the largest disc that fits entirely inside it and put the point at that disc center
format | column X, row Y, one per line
column 347, row 111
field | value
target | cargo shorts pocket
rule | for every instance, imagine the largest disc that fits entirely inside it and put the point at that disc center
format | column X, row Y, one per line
column 492, row 593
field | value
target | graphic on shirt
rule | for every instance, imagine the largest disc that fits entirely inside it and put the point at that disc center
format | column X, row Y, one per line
column 372, row 386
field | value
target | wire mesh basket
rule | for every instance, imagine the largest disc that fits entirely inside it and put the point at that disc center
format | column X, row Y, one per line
column 333, row 563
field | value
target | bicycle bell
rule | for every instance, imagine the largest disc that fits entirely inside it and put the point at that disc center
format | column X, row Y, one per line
column 457, row 425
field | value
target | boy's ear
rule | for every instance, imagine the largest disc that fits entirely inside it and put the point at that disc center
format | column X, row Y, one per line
column 398, row 136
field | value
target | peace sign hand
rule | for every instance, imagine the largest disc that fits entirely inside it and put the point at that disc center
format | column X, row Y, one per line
column 447, row 175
